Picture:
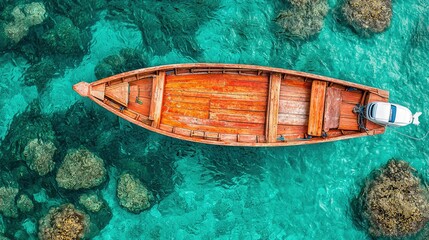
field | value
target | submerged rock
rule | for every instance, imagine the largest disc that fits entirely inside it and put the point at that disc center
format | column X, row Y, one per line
column 64, row 38
column 64, row 222
column 25, row 128
column 127, row 60
column 39, row 156
column 395, row 203
column 24, row 17
column 132, row 194
column 91, row 202
column 7, row 201
column 304, row 19
column 81, row 169
column 368, row 17
column 24, row 204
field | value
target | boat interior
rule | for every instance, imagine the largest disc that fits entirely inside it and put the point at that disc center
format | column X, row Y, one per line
column 237, row 105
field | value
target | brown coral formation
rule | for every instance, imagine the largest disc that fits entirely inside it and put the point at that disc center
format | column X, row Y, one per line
column 7, row 201
column 304, row 19
column 368, row 16
column 25, row 16
column 132, row 194
column 63, row 223
column 395, row 202
column 39, row 156
column 81, row 169
column 24, row 204
column 91, row 202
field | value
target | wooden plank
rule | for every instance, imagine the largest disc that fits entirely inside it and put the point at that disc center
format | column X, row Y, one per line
column 225, row 96
column 118, row 92
column 212, row 135
column 130, row 78
column 332, row 108
column 182, row 131
column 185, row 112
column 98, row 91
column 352, row 96
column 140, row 105
column 294, row 90
column 293, row 119
column 213, row 77
column 143, row 84
column 346, row 110
column 348, row 124
column 273, row 107
column 371, row 97
column 257, row 106
column 246, row 138
column 317, row 108
column 237, row 116
column 292, row 129
column 212, row 125
column 225, row 137
column 200, row 106
column 166, row 128
column 209, row 88
column 295, row 80
column 294, row 107
column 157, row 97
column 129, row 113
column 198, row 134
column 186, row 99
column 300, row 93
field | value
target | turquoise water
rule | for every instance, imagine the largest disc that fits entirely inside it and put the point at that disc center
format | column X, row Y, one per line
column 211, row 192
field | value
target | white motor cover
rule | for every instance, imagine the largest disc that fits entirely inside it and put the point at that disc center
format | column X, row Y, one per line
column 390, row 114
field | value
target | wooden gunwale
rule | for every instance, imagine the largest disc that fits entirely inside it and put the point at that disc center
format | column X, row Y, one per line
column 377, row 91
column 215, row 138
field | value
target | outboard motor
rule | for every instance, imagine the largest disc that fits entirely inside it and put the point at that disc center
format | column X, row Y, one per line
column 390, row 114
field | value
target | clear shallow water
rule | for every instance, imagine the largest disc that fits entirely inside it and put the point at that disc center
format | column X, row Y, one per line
column 247, row 193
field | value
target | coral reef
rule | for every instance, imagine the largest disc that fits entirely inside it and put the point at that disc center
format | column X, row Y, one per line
column 25, row 128
column 24, row 17
column 63, row 223
column 304, row 19
column 127, row 59
column 24, row 204
column 39, row 156
column 91, row 202
column 368, row 17
column 64, row 37
column 394, row 202
column 132, row 194
column 7, row 201
column 81, row 169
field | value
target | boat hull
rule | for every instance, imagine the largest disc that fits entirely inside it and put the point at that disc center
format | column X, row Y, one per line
column 237, row 105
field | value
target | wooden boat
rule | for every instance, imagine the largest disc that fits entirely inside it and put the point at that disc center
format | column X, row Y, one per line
column 237, row 105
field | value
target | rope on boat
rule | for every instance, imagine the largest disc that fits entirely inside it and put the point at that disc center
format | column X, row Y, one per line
column 360, row 110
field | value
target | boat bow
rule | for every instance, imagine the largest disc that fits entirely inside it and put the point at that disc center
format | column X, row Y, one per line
column 82, row 88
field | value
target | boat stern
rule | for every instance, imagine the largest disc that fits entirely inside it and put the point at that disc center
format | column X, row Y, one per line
column 82, row 88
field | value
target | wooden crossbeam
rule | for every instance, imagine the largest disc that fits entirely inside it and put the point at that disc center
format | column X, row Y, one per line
column 156, row 100
column 273, row 107
column 317, row 108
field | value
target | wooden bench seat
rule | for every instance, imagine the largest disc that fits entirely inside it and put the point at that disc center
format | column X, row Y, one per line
column 317, row 108
column 332, row 108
